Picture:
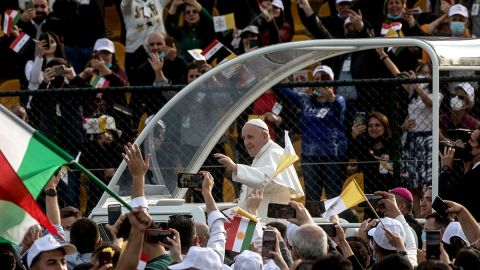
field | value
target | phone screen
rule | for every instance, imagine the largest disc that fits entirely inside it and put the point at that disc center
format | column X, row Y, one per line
column 329, row 229
column 28, row 5
column 360, row 117
column 114, row 212
column 190, row 180
column 433, row 245
column 440, row 207
column 283, row 211
column 268, row 243
column 158, row 236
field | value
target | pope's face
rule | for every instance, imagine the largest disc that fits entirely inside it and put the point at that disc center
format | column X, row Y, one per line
column 254, row 138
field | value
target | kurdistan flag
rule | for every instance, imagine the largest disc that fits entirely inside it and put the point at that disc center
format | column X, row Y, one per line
column 27, row 161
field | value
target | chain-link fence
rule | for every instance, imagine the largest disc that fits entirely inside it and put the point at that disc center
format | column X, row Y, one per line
column 376, row 131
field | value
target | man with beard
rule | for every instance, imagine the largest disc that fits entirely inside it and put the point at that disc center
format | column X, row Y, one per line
column 34, row 18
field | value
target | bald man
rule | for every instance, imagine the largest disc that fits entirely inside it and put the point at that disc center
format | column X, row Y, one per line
column 266, row 154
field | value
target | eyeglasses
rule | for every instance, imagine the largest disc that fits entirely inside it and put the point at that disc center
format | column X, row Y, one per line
column 459, row 97
column 68, row 213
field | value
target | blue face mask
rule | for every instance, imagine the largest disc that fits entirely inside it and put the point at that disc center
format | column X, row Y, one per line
column 457, row 29
column 391, row 17
column 17, row 248
column 109, row 65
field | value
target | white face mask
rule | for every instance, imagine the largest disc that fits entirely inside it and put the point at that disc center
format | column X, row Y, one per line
column 67, row 236
column 456, row 104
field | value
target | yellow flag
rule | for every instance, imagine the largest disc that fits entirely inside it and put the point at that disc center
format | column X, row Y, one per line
column 288, row 158
column 350, row 196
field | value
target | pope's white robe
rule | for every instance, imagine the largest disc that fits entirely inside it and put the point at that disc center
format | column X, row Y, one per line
column 279, row 190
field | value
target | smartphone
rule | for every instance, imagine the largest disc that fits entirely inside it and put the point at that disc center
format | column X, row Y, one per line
column 190, row 180
column 104, row 257
column 440, row 207
column 283, row 211
column 161, row 55
column 329, row 229
column 373, row 199
column 114, row 212
column 268, row 243
column 59, row 70
column 44, row 36
column 253, row 43
column 158, row 236
column 315, row 208
column 28, row 5
column 360, row 118
column 433, row 245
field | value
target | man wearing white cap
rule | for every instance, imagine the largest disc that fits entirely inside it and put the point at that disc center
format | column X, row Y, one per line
column 266, row 154
column 47, row 252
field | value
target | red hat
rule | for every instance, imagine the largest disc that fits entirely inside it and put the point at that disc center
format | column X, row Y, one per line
column 403, row 192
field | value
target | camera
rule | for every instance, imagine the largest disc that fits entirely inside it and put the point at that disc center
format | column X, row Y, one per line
column 459, row 141
column 189, row 180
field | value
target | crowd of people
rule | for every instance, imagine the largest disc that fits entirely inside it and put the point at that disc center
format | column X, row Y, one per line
column 394, row 241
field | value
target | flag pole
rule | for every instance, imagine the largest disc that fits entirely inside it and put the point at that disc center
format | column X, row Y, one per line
column 99, row 183
column 368, row 202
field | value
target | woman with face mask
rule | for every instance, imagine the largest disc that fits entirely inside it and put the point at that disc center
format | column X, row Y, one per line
column 461, row 100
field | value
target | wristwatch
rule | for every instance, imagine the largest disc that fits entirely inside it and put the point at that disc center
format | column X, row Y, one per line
column 51, row 192
column 445, row 168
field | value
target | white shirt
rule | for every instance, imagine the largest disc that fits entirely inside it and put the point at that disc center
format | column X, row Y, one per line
column 142, row 18
column 410, row 243
column 422, row 114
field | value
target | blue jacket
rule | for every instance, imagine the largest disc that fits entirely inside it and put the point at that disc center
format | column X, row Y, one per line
column 322, row 126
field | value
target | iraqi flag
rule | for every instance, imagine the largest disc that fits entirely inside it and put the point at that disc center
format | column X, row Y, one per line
column 27, row 161
column 391, row 30
column 240, row 234
column 216, row 53
column 19, row 44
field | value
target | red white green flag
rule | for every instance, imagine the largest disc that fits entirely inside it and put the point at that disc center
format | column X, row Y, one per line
column 99, row 82
column 27, row 161
column 240, row 234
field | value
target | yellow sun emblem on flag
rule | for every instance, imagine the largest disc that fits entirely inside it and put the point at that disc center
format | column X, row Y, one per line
column 240, row 235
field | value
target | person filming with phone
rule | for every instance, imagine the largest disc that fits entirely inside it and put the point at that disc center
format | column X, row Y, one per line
column 465, row 191
column 266, row 154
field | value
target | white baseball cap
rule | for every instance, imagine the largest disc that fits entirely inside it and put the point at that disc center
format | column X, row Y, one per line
column 468, row 88
column 325, row 69
column 258, row 123
column 199, row 258
column 278, row 3
column 378, row 233
column 248, row 260
column 458, row 9
column 340, row 1
column 104, row 44
column 454, row 228
column 47, row 243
